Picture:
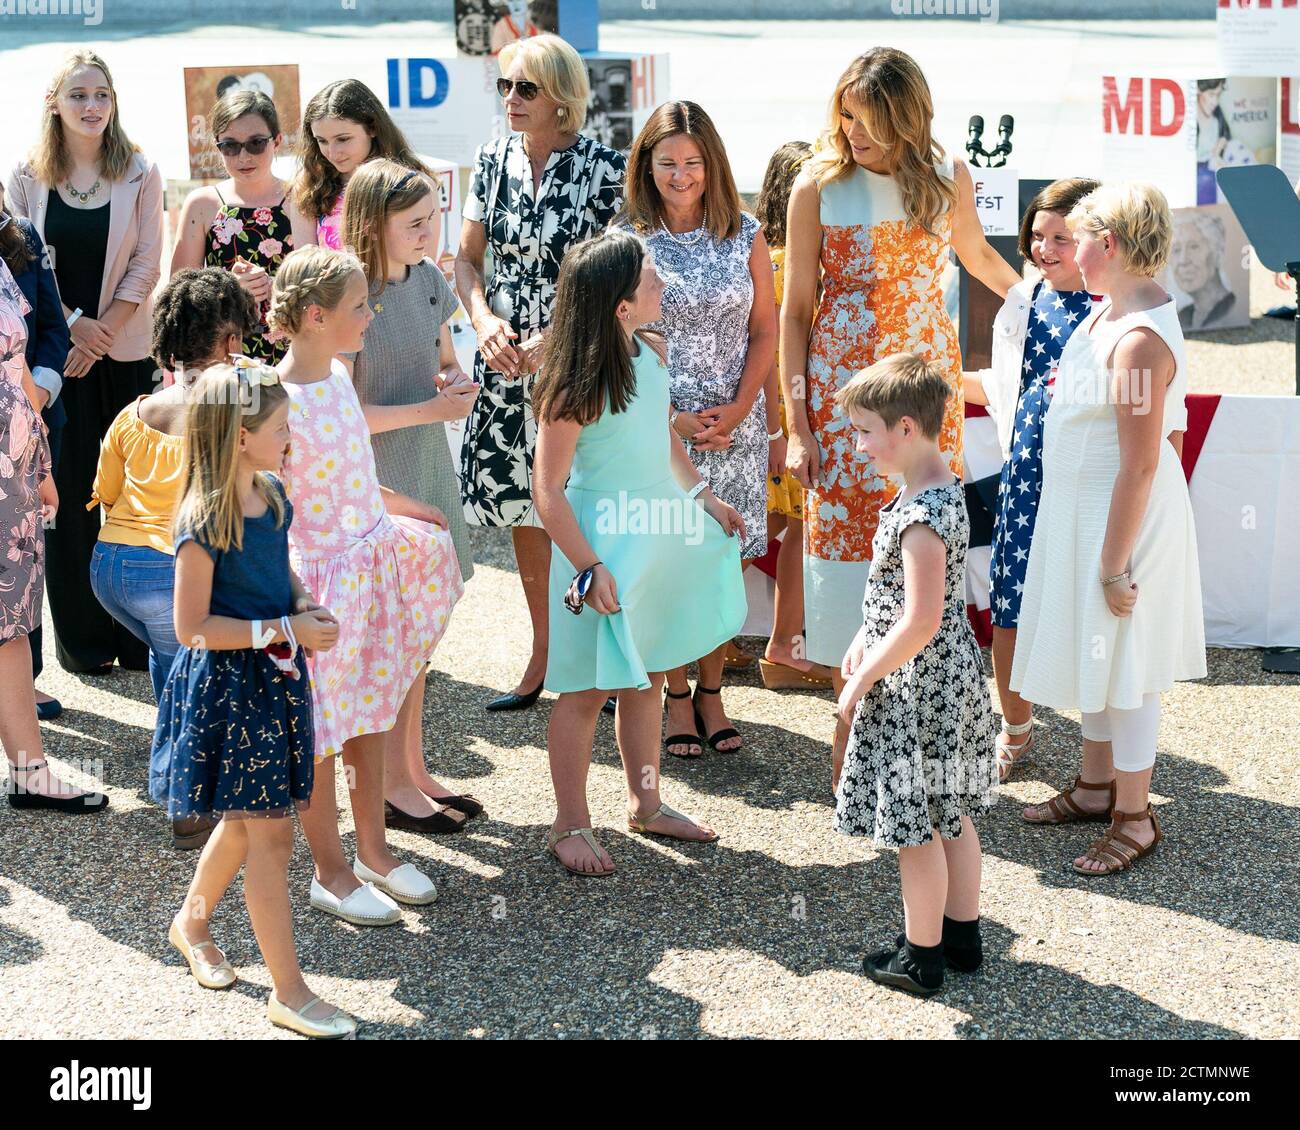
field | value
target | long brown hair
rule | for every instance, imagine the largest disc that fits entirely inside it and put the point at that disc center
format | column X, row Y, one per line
column 223, row 400
column 378, row 189
column 774, row 198
column 644, row 209
column 890, row 92
column 587, row 367
column 319, row 183
column 50, row 161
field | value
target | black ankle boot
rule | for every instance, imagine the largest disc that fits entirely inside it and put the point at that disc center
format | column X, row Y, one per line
column 962, row 947
column 915, row 969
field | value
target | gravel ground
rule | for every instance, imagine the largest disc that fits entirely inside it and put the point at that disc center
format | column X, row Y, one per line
column 759, row 935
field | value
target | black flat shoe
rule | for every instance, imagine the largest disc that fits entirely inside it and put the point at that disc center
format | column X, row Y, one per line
column 718, row 737
column 467, row 803
column 48, row 711
column 82, row 805
column 898, row 969
column 514, row 701
column 192, row 832
column 962, row 948
column 436, row 823
column 611, row 704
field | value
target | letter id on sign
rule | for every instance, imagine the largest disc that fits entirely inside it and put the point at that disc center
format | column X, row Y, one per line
column 1149, row 133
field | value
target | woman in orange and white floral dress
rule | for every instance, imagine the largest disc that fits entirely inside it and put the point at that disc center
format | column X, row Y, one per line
column 872, row 216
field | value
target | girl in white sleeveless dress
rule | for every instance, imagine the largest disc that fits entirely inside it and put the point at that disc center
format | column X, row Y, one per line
column 1111, row 613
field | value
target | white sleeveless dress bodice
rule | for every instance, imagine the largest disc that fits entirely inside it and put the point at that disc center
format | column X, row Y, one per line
column 1071, row 652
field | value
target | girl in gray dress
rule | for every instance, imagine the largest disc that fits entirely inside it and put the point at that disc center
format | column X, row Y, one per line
column 410, row 385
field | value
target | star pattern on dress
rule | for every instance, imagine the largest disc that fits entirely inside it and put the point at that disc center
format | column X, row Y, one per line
column 1054, row 316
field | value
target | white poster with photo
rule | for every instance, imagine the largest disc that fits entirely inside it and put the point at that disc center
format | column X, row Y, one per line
column 625, row 89
column 447, row 107
column 1149, row 133
column 1236, row 124
column 1288, row 139
column 1209, row 269
column 1259, row 37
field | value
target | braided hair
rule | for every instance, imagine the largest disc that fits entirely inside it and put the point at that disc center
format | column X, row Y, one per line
column 195, row 310
column 310, row 276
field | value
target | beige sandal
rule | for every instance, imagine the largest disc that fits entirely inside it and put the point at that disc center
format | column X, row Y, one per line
column 1118, row 852
column 554, row 837
column 782, row 677
column 639, row 825
column 1061, row 809
column 1008, row 755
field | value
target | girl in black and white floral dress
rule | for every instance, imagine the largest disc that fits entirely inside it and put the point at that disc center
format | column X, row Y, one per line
column 920, row 758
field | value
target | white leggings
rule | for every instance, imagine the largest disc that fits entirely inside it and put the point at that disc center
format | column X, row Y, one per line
column 1131, row 733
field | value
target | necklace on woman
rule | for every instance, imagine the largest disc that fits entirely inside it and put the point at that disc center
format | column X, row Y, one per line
column 83, row 196
column 699, row 232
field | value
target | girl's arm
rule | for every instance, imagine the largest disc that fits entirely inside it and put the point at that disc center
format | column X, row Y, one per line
column 557, row 440
column 390, row 417
column 191, row 616
column 192, row 231
column 802, row 264
column 974, row 251
column 972, row 388
column 924, row 584
column 404, row 506
column 1143, row 367
column 301, row 227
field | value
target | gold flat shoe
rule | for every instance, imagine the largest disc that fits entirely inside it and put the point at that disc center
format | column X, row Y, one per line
column 639, row 824
column 209, row 976
column 338, row 1025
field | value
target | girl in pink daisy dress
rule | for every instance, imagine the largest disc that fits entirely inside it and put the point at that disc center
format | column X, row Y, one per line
column 386, row 561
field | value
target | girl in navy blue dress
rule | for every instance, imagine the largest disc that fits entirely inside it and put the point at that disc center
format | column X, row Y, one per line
column 1029, row 334
column 234, row 732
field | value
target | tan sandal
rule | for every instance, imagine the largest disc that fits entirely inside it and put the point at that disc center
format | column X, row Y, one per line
column 782, row 677
column 1008, row 755
column 1118, row 852
column 1061, row 809
column 553, row 838
column 639, row 825
column 737, row 658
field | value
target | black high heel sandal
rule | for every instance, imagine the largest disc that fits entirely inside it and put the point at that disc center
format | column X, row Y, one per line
column 682, row 739
column 721, row 735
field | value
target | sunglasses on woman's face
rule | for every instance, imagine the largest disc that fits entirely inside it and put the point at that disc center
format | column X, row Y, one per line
column 231, row 148
column 527, row 90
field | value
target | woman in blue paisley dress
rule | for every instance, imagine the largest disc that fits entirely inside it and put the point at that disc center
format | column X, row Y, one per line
column 534, row 194
column 719, row 316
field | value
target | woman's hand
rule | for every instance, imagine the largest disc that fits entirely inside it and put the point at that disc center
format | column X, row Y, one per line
column 776, row 449
column 307, row 603
column 79, row 362
column 853, row 693
column 722, row 418
column 92, row 336
column 49, row 496
column 316, row 630
column 602, row 594
column 690, row 427
column 531, row 353
column 494, row 338
column 451, row 376
column 803, row 460
column 726, row 515
column 1121, row 596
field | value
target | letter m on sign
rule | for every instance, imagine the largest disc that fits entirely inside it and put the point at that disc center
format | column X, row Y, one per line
column 1117, row 116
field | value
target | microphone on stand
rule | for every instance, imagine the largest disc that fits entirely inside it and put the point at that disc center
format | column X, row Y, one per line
column 1000, row 152
column 975, row 138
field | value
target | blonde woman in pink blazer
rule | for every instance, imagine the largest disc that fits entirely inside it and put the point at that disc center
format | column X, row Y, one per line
column 97, row 202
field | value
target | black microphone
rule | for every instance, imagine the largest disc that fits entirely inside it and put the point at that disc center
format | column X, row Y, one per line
column 975, row 128
column 1006, row 124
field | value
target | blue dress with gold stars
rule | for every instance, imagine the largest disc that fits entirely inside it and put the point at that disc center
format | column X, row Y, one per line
column 1053, row 315
column 234, row 732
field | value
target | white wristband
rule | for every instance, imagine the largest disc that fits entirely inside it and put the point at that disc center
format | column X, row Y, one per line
column 772, row 437
column 697, row 489
column 75, row 315
column 261, row 638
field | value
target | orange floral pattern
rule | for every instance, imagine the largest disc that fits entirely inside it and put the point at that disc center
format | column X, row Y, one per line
column 881, row 295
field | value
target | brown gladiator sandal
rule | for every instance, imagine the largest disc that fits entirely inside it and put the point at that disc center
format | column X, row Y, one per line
column 1061, row 809
column 1118, row 852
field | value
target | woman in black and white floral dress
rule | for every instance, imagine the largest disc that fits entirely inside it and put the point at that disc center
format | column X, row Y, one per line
column 535, row 193
column 719, row 317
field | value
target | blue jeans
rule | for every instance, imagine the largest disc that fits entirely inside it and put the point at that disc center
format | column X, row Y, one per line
column 134, row 584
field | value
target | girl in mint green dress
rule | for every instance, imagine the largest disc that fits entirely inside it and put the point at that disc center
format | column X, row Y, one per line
column 644, row 551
